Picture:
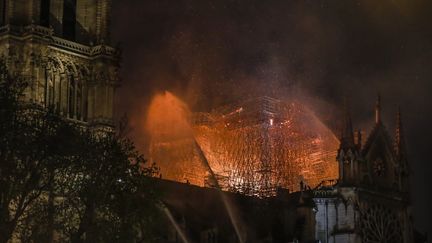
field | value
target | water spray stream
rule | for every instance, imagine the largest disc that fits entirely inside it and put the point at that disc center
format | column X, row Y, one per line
column 225, row 201
column 173, row 222
column 164, row 111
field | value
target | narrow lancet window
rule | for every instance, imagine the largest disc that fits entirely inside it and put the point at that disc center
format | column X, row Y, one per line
column 72, row 97
column 45, row 13
column 79, row 101
column 2, row 12
column 69, row 19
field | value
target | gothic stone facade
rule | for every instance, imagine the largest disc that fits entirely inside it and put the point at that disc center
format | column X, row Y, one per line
column 370, row 202
column 62, row 48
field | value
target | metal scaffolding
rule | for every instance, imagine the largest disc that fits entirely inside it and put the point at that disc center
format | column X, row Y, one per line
column 253, row 148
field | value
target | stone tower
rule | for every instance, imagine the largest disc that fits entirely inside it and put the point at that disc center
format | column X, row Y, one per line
column 348, row 153
column 62, row 47
column 370, row 201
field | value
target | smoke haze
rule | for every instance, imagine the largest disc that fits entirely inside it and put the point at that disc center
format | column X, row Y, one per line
column 211, row 53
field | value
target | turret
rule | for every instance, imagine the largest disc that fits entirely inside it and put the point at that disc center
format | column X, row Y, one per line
column 348, row 152
column 400, row 152
column 347, row 136
column 378, row 110
column 399, row 136
column 382, row 165
column 359, row 139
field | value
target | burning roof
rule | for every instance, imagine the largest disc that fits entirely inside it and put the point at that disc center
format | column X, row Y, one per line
column 252, row 147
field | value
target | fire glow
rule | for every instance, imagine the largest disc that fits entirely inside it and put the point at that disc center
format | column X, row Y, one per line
column 253, row 147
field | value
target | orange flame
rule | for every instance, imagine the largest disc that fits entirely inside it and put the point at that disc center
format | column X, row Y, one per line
column 254, row 149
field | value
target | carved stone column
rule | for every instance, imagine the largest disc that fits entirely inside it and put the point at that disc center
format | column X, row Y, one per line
column 74, row 105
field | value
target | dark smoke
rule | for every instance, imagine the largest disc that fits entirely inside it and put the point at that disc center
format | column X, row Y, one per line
column 218, row 51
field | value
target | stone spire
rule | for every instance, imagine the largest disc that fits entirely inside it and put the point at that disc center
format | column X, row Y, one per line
column 347, row 136
column 359, row 139
column 378, row 110
column 401, row 156
column 399, row 136
column 348, row 151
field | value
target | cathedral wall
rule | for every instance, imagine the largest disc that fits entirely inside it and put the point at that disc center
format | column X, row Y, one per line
column 56, row 16
column 321, row 227
column 40, row 76
column 345, row 238
column 345, row 216
column 335, row 221
column 86, row 20
column 331, row 216
column 91, row 17
column 103, row 21
column 60, row 79
column 2, row 12
column 76, row 77
column 21, row 11
column 100, row 98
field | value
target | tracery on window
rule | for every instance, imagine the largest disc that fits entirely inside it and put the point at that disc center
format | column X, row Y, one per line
column 379, row 224
column 79, row 100
column 71, row 103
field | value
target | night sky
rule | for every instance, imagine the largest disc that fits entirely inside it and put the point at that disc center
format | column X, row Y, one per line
column 214, row 52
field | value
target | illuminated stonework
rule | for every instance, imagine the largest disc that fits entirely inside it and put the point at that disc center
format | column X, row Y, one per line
column 253, row 148
column 62, row 48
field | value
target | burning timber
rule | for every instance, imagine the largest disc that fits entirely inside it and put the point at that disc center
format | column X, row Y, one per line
column 253, row 147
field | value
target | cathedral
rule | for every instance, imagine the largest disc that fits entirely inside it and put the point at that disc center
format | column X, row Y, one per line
column 368, row 202
column 63, row 48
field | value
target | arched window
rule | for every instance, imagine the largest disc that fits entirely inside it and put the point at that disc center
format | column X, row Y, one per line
column 2, row 12
column 71, row 95
column 45, row 13
column 69, row 19
column 79, row 100
column 49, row 90
column 58, row 91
